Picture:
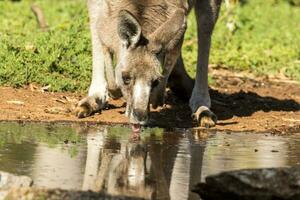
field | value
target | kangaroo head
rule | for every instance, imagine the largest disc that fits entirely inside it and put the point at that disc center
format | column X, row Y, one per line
column 140, row 60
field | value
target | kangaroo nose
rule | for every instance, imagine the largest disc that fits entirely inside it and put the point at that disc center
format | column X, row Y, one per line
column 140, row 115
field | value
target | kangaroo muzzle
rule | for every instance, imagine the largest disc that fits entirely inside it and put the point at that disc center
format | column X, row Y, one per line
column 140, row 102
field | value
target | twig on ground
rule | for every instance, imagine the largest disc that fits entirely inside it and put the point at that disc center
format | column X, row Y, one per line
column 40, row 17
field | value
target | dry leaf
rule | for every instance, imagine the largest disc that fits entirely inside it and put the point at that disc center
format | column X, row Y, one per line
column 20, row 103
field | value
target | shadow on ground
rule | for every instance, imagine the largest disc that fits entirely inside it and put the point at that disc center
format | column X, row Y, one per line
column 243, row 104
column 224, row 105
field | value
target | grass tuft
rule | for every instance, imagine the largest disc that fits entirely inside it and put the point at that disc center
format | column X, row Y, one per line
column 258, row 36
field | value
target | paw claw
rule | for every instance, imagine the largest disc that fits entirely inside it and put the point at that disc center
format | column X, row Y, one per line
column 205, row 117
column 207, row 122
column 88, row 106
column 157, row 103
column 157, row 99
column 82, row 112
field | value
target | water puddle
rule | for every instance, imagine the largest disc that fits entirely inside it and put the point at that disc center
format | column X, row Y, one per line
column 161, row 165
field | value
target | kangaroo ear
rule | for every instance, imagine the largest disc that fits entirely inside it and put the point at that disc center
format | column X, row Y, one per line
column 168, row 35
column 129, row 29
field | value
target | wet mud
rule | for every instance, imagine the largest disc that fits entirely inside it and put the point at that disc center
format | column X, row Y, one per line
column 241, row 102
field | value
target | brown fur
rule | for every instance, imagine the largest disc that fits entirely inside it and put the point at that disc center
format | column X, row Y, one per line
column 145, row 35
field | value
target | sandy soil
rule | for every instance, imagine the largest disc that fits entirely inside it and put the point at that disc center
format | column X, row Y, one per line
column 241, row 102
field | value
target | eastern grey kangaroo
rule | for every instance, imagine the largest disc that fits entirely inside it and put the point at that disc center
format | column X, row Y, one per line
column 146, row 37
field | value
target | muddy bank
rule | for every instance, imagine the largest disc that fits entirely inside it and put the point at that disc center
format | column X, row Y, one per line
column 241, row 103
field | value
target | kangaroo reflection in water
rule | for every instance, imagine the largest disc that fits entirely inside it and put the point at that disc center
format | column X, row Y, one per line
column 146, row 169
column 156, row 167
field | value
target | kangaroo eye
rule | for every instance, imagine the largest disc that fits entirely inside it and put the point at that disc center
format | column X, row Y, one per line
column 126, row 79
column 155, row 83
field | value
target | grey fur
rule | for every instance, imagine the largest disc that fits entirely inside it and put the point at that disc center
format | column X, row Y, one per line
column 143, row 36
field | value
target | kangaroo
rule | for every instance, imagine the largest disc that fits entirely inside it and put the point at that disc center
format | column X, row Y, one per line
column 145, row 39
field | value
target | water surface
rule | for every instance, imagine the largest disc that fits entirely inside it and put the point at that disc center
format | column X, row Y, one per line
column 161, row 164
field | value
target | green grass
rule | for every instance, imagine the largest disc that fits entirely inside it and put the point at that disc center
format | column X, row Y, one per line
column 60, row 57
column 264, row 39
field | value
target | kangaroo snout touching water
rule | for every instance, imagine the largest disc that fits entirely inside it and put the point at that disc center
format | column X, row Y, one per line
column 145, row 37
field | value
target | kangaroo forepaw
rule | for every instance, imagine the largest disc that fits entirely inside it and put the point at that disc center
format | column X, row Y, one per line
column 115, row 93
column 157, row 100
column 205, row 117
column 88, row 106
column 158, row 96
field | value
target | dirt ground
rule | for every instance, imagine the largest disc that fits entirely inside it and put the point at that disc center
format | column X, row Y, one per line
column 242, row 102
